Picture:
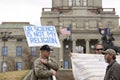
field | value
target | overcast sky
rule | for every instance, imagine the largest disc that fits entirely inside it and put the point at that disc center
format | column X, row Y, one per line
column 30, row 10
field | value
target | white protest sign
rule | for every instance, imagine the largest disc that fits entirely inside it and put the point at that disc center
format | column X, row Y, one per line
column 89, row 66
column 41, row 35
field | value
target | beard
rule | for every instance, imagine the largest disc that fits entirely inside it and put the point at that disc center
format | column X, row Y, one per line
column 107, row 60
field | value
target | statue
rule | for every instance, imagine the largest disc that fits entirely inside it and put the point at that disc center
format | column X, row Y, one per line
column 107, row 39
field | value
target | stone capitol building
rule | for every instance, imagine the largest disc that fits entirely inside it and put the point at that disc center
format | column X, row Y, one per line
column 83, row 17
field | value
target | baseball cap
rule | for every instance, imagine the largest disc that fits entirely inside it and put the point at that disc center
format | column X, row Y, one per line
column 109, row 51
column 46, row 47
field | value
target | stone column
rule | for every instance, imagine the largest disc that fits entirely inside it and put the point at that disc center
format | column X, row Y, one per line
column 87, row 46
column 61, row 54
column 74, row 45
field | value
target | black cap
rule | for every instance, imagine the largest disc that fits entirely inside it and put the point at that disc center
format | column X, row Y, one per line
column 46, row 48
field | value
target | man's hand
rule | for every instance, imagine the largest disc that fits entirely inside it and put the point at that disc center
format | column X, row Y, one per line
column 44, row 61
column 53, row 71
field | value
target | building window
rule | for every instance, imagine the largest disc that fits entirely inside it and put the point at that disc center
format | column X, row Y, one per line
column 70, row 2
column 18, row 51
column 4, row 51
column 33, row 51
column 84, row 2
column 78, row 2
column 19, row 65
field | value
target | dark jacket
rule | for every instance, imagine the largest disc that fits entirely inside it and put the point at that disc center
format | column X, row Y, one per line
column 113, row 71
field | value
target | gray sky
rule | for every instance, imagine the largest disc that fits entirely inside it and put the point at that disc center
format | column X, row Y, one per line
column 30, row 10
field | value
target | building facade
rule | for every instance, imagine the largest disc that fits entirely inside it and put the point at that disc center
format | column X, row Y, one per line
column 15, row 53
column 83, row 17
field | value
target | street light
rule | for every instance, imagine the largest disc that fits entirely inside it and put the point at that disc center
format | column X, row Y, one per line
column 5, row 36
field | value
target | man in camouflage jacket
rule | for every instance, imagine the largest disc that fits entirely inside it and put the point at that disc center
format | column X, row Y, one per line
column 45, row 67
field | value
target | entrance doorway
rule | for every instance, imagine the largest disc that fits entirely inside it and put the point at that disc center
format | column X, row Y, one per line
column 81, row 42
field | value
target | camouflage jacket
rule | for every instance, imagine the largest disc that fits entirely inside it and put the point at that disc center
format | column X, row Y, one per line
column 42, row 71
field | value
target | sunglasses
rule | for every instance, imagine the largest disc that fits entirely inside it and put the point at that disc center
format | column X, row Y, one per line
column 99, row 49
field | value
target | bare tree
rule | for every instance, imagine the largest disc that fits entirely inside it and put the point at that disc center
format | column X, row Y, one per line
column 27, row 59
column 11, row 64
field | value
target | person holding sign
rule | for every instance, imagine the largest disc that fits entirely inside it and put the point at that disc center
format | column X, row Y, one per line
column 113, row 69
column 45, row 67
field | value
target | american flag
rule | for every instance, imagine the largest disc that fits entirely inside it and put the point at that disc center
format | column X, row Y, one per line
column 65, row 31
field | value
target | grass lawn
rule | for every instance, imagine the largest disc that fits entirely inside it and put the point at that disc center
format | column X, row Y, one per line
column 14, row 75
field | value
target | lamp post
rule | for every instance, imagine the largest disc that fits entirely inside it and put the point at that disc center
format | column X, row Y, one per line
column 5, row 36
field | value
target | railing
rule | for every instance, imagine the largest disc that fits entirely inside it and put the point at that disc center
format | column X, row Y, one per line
column 27, row 77
column 97, row 10
column 58, row 9
column 54, row 9
column 108, row 9
column 103, row 10
column 46, row 9
column 50, row 9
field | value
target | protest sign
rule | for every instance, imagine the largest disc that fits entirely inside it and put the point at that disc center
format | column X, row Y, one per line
column 41, row 35
column 89, row 66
